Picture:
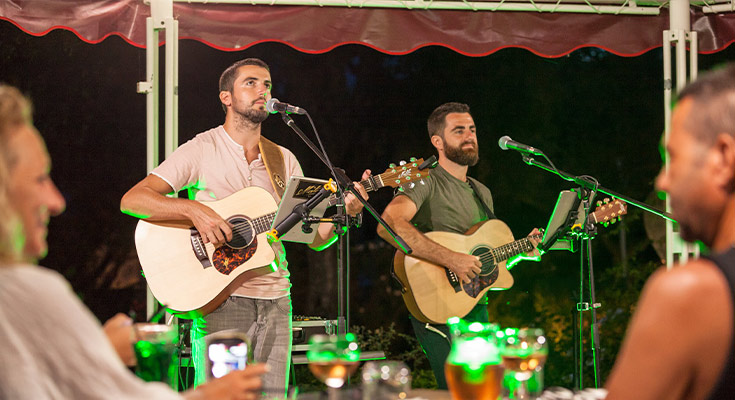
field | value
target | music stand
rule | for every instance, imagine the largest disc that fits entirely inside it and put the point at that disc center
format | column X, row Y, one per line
column 570, row 229
column 568, row 215
column 298, row 190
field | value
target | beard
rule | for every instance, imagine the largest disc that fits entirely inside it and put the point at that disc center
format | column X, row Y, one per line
column 253, row 116
column 460, row 156
column 249, row 115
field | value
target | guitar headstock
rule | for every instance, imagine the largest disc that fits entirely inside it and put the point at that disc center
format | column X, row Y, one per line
column 608, row 212
column 407, row 173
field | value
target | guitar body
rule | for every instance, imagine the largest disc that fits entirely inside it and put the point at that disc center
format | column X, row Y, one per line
column 432, row 292
column 192, row 283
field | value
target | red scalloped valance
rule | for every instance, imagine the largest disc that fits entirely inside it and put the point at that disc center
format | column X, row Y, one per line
column 394, row 31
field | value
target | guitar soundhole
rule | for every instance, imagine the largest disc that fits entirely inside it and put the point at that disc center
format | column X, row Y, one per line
column 242, row 232
column 488, row 275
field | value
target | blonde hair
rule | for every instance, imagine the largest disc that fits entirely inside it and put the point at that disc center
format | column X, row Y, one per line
column 15, row 112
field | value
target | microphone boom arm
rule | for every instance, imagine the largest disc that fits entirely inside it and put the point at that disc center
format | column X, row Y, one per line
column 587, row 184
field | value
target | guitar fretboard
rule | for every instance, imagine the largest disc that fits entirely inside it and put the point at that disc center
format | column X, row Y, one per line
column 370, row 184
column 506, row 251
column 262, row 224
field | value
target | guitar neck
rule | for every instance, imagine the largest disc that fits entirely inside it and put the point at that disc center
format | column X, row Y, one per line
column 370, row 184
column 506, row 251
column 262, row 224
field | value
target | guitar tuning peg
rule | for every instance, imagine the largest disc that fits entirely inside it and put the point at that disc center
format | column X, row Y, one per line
column 412, row 159
column 605, row 224
column 401, row 189
column 599, row 203
column 422, row 182
column 411, row 185
column 398, row 181
column 391, row 165
column 607, row 200
column 402, row 163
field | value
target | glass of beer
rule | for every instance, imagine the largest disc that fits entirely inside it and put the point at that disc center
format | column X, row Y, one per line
column 333, row 359
column 473, row 367
column 524, row 353
column 154, row 350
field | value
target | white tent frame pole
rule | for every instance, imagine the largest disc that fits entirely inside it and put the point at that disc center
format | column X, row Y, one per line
column 172, row 85
column 161, row 19
column 679, row 33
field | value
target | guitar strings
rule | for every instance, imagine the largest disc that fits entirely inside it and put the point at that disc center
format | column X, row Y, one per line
column 505, row 250
column 261, row 223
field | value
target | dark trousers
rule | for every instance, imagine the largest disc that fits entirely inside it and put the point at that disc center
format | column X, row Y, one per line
column 436, row 341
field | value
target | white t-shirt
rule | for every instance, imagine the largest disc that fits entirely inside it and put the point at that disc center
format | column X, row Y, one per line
column 213, row 166
column 52, row 347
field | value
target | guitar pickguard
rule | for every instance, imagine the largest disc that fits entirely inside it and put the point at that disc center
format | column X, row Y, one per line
column 488, row 275
column 226, row 259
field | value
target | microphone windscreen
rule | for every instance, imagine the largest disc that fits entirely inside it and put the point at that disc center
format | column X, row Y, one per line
column 503, row 142
column 269, row 105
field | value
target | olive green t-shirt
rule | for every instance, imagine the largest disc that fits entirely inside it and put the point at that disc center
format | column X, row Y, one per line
column 445, row 203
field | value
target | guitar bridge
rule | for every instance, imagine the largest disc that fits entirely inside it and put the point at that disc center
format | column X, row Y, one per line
column 199, row 250
column 453, row 280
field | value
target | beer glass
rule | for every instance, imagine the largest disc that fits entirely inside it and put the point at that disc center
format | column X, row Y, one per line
column 473, row 367
column 154, row 350
column 524, row 352
column 332, row 359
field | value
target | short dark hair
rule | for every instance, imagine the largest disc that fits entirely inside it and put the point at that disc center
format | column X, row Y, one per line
column 229, row 75
column 713, row 95
column 437, row 120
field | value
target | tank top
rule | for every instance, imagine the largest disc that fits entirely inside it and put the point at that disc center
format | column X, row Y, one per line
column 725, row 387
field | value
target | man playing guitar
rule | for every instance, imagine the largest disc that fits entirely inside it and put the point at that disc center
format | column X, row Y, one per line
column 214, row 165
column 450, row 201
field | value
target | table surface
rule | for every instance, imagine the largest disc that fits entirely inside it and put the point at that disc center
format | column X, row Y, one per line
column 429, row 394
column 353, row 394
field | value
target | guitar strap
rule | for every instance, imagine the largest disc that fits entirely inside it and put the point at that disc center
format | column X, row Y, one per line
column 488, row 212
column 273, row 160
column 490, row 215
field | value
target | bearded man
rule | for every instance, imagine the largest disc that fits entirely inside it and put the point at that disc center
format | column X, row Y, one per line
column 449, row 201
column 213, row 165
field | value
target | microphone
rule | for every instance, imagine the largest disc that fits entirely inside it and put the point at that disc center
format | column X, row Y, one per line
column 274, row 106
column 506, row 143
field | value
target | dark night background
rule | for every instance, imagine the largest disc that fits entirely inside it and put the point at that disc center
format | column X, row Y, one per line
column 591, row 112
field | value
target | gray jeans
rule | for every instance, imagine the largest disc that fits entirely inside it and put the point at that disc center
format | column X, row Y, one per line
column 268, row 325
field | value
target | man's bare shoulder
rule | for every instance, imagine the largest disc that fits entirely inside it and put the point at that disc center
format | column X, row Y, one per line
column 697, row 284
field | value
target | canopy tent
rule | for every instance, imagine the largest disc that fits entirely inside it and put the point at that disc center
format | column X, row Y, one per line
column 622, row 27
column 549, row 28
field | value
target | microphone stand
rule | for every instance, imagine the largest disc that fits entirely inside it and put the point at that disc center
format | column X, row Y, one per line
column 588, row 189
column 342, row 222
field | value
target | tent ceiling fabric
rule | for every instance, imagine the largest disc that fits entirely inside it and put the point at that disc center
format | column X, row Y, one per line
column 395, row 31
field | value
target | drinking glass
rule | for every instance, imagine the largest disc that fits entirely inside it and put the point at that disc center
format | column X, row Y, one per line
column 332, row 359
column 473, row 369
column 154, row 350
column 385, row 380
column 524, row 352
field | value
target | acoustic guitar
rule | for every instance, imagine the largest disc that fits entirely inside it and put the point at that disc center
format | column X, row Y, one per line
column 192, row 278
column 433, row 293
